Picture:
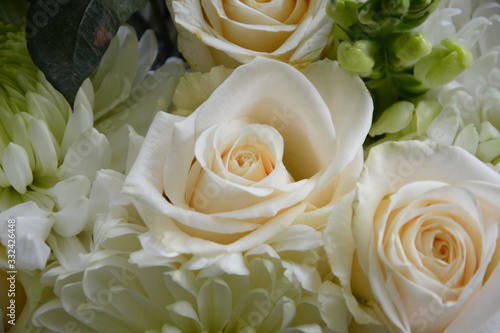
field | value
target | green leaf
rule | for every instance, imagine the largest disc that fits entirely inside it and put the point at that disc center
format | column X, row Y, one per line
column 67, row 38
column 13, row 11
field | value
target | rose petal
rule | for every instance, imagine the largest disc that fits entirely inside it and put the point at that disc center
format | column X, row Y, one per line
column 339, row 240
column 240, row 11
column 260, row 38
column 280, row 10
column 142, row 180
column 350, row 108
column 482, row 308
column 282, row 101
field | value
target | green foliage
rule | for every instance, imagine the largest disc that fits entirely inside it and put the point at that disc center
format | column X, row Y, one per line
column 375, row 39
column 67, row 38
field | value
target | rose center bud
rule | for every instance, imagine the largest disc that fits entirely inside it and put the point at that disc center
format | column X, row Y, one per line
column 252, row 152
column 441, row 250
column 249, row 162
column 237, row 162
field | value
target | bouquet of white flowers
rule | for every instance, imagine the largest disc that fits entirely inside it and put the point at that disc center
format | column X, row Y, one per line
column 296, row 166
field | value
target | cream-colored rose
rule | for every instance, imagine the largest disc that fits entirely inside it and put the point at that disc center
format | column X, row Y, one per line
column 415, row 246
column 232, row 32
column 271, row 147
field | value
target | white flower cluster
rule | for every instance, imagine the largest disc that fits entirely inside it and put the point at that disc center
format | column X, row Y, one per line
column 238, row 200
column 53, row 158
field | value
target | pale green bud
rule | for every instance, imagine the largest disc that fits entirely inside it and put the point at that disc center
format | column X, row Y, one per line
column 443, row 64
column 343, row 12
column 488, row 151
column 408, row 48
column 425, row 112
column 358, row 57
column 394, row 119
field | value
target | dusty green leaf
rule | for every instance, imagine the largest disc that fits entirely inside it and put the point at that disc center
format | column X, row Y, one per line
column 67, row 38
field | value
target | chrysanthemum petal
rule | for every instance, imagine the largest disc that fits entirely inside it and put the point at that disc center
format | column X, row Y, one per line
column 45, row 147
column 71, row 220
column 16, row 166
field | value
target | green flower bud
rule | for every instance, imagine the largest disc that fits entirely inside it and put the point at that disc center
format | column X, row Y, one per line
column 343, row 12
column 372, row 17
column 358, row 57
column 408, row 48
column 393, row 119
column 443, row 64
column 396, row 7
column 339, row 33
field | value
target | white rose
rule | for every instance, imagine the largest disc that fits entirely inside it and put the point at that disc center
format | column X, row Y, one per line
column 269, row 148
column 232, row 32
column 415, row 246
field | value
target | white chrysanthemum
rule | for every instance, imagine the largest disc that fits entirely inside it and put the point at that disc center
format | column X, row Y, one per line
column 38, row 133
column 116, row 227
column 34, row 117
column 50, row 155
column 109, row 294
column 125, row 91
column 465, row 112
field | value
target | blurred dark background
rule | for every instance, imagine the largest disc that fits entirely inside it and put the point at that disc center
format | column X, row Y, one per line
column 155, row 16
